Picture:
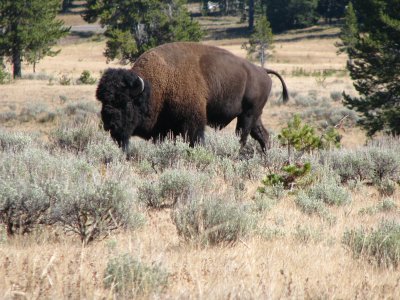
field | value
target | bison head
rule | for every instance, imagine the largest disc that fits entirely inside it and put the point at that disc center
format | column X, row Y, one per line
column 121, row 92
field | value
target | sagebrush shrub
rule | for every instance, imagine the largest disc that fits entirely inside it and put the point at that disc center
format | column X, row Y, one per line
column 73, row 137
column 306, row 101
column 386, row 205
column 213, row 221
column 172, row 186
column 350, row 164
column 103, row 150
column 14, row 141
column 381, row 245
column 131, row 278
column 223, row 144
column 23, row 205
column 25, row 178
column 336, row 96
column 7, row 116
column 200, row 157
column 316, row 199
column 168, row 154
column 81, row 108
column 329, row 192
column 310, row 205
column 387, row 187
column 39, row 112
column 43, row 188
column 385, row 163
column 308, row 233
column 95, row 207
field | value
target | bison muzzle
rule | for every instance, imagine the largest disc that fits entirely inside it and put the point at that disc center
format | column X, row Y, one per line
column 180, row 88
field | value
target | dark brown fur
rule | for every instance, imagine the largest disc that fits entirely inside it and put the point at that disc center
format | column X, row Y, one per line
column 187, row 86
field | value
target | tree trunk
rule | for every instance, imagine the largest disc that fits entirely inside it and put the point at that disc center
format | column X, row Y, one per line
column 251, row 14
column 16, row 61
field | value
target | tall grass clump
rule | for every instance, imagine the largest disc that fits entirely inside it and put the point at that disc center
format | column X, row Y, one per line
column 130, row 278
column 211, row 221
column 380, row 245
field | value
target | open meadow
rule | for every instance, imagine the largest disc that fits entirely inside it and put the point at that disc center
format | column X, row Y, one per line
column 79, row 221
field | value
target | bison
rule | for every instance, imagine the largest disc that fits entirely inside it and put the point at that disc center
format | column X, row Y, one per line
column 180, row 88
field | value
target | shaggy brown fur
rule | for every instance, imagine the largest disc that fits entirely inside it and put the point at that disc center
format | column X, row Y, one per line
column 187, row 86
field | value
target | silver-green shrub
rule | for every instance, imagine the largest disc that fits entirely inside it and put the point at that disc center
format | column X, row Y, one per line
column 103, row 150
column 336, row 96
column 14, row 141
column 168, row 154
column 222, row 144
column 24, row 180
column 173, row 186
column 81, row 109
column 306, row 233
column 95, row 207
column 385, row 163
column 316, row 199
column 349, row 164
column 329, row 192
column 74, row 137
column 130, row 278
column 211, row 221
column 380, row 245
column 386, row 205
column 39, row 187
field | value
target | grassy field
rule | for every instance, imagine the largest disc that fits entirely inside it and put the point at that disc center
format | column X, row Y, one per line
column 290, row 245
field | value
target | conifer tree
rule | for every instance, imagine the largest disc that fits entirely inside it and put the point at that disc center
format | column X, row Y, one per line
column 349, row 31
column 29, row 27
column 375, row 65
column 260, row 40
column 134, row 26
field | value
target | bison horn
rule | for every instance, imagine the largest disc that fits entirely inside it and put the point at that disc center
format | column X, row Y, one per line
column 141, row 84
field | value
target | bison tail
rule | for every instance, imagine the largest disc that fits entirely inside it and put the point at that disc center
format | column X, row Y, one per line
column 284, row 88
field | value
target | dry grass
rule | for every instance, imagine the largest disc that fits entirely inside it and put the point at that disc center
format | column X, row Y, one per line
column 50, row 265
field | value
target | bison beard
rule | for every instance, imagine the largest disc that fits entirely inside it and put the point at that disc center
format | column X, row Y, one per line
column 180, row 88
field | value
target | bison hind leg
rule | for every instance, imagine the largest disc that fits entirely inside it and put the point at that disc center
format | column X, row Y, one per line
column 261, row 135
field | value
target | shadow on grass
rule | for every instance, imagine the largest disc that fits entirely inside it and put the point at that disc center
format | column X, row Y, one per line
column 227, row 33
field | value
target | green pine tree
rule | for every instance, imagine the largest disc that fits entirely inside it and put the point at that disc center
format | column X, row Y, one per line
column 135, row 26
column 29, row 29
column 260, row 40
column 375, row 65
column 349, row 31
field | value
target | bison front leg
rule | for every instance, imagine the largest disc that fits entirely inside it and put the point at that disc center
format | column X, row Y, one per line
column 261, row 135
